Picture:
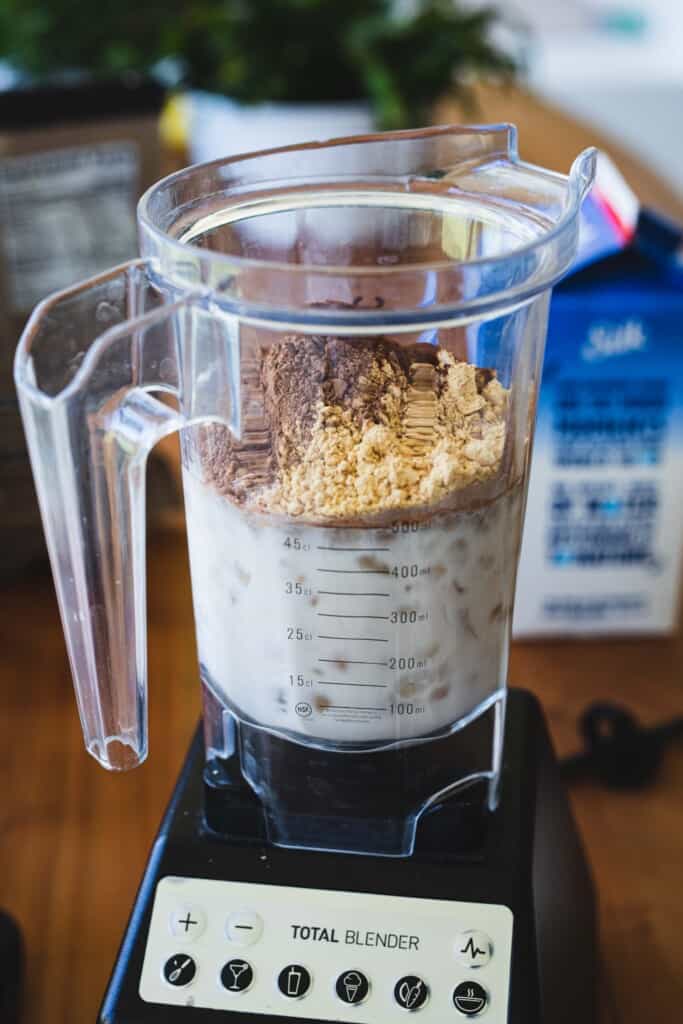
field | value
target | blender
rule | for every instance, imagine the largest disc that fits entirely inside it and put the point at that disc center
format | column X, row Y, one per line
column 348, row 337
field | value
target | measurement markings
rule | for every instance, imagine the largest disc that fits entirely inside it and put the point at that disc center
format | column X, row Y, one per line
column 358, row 572
column 369, row 639
column 342, row 682
column 322, row 547
column 345, row 661
column 350, row 593
column 344, row 615
column 349, row 707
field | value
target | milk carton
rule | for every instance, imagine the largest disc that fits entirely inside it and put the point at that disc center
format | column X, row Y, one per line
column 604, row 525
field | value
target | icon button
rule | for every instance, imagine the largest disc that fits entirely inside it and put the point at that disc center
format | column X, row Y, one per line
column 187, row 922
column 294, row 981
column 237, row 976
column 352, row 987
column 179, row 970
column 470, row 998
column 473, row 949
column 244, row 927
column 411, row 992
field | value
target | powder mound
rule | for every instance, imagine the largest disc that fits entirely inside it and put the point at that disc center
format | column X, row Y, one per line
column 361, row 426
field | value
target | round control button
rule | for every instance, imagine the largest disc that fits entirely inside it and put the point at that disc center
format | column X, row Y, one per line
column 187, row 922
column 473, row 949
column 237, row 976
column 411, row 992
column 470, row 998
column 179, row 970
column 352, row 987
column 244, row 928
column 294, row 981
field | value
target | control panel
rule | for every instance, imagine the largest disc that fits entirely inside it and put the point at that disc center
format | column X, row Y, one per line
column 316, row 954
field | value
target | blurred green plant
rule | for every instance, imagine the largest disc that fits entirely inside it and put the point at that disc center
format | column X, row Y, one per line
column 266, row 50
column 408, row 63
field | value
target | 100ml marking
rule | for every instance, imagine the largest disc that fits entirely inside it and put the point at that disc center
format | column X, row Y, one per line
column 407, row 708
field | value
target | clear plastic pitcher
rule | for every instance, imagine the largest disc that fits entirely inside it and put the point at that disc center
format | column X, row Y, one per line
column 349, row 336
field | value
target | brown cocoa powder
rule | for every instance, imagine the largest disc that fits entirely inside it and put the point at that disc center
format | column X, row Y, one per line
column 347, row 427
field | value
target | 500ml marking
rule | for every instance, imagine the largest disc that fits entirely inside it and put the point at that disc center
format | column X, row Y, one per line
column 411, row 527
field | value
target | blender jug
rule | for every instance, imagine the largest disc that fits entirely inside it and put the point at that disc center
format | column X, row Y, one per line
column 349, row 336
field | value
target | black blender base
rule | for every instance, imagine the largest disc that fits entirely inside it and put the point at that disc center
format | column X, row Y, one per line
column 528, row 859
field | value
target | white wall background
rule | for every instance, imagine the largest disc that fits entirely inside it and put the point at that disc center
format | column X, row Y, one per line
column 615, row 64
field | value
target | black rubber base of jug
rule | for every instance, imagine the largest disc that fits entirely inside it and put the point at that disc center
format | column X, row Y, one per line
column 526, row 855
column 302, row 797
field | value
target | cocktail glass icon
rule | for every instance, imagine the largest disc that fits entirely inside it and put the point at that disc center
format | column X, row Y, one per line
column 352, row 984
column 293, row 981
column 237, row 969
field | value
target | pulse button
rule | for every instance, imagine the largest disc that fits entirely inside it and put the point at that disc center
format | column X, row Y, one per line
column 473, row 949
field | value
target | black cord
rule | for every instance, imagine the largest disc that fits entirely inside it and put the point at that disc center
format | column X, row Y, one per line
column 619, row 751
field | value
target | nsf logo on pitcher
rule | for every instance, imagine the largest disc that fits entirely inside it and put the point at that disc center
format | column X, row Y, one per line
column 618, row 339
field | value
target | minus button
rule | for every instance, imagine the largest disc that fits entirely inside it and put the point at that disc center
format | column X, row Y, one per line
column 244, row 927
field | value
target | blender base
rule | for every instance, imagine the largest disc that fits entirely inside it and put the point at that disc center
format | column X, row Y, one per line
column 501, row 926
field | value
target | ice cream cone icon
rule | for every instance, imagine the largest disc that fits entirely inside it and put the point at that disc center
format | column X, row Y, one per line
column 352, row 987
column 352, row 984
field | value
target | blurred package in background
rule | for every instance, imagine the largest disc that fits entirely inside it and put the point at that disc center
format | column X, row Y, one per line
column 603, row 537
column 74, row 160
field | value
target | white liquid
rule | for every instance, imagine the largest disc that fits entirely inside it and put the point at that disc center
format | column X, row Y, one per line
column 352, row 635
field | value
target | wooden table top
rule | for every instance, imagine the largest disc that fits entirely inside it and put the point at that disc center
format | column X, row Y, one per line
column 74, row 839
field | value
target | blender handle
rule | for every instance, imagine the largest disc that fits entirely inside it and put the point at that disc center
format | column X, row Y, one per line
column 90, row 423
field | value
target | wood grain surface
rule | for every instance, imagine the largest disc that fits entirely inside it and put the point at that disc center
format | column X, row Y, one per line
column 74, row 840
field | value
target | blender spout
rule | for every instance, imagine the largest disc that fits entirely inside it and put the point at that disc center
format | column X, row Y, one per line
column 582, row 175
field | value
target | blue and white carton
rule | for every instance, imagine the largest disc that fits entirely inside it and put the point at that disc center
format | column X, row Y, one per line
column 603, row 535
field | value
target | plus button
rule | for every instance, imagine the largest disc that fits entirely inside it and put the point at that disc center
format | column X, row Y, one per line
column 187, row 922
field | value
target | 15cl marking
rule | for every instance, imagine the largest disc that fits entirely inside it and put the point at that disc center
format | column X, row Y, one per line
column 299, row 680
